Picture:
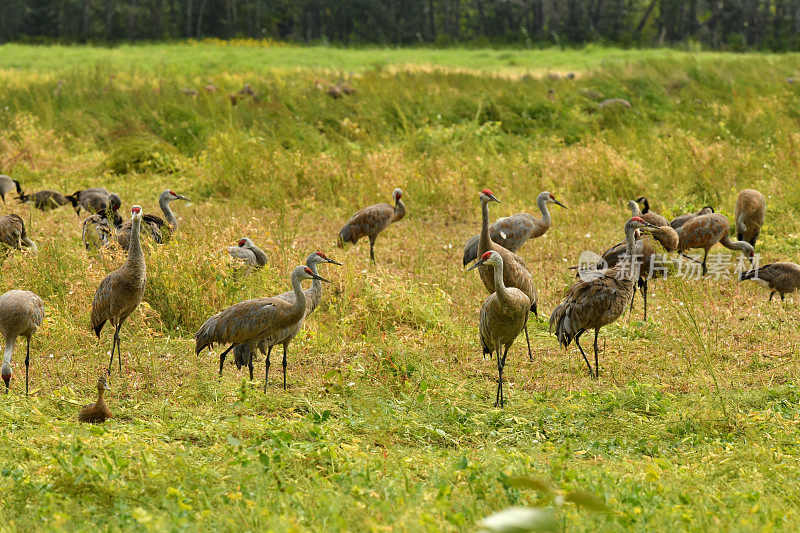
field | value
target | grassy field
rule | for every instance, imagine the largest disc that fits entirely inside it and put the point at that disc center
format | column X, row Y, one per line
column 387, row 423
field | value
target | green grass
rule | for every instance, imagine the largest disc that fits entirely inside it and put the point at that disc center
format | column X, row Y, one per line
column 388, row 418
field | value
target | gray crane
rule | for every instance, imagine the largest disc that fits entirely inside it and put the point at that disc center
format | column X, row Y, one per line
column 515, row 270
column 8, row 185
column 256, row 320
column 707, row 230
column 502, row 318
column 249, row 253
column 160, row 229
column 21, row 313
column 46, row 200
column 749, row 215
column 13, row 234
column 241, row 352
column 513, row 232
column 93, row 200
column 372, row 220
column 597, row 302
column 783, row 278
column 121, row 292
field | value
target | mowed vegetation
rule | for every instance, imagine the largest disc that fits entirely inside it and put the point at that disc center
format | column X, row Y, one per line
column 387, row 423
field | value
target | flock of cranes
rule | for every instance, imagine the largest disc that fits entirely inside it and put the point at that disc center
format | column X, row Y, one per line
column 592, row 302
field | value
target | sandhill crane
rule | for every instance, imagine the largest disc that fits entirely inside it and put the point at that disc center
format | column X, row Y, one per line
column 515, row 271
column 13, row 234
column 647, row 215
column 783, row 278
column 597, row 302
column 8, row 185
column 93, row 200
column 372, row 220
column 253, row 321
column 120, row 293
column 46, row 200
column 159, row 229
column 502, row 318
column 679, row 221
column 97, row 229
column 750, row 209
column 647, row 250
column 241, row 352
column 98, row 412
column 21, row 313
column 707, row 230
column 248, row 252
column 514, row 231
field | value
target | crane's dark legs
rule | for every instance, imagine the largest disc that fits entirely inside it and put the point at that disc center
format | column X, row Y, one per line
column 113, row 347
column 266, row 374
column 782, row 296
column 530, row 354
column 27, row 364
column 250, row 365
column 501, row 361
column 644, row 295
column 596, row 364
column 222, row 358
column 577, row 341
column 371, row 249
column 284, row 367
column 771, row 295
column 705, row 256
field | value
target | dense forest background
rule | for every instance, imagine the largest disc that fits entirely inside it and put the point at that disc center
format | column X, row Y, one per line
column 715, row 24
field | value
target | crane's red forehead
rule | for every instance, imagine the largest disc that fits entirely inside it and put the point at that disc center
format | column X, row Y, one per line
column 638, row 219
column 242, row 242
column 308, row 271
column 486, row 256
column 135, row 209
column 487, row 192
column 322, row 255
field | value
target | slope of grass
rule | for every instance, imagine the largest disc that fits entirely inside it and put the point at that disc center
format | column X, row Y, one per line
column 387, row 421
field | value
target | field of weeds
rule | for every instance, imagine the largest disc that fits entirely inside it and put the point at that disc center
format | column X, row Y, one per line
column 387, row 423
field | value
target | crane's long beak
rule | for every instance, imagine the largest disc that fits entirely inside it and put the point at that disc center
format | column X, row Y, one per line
column 478, row 263
column 493, row 198
column 181, row 197
column 106, row 387
column 334, row 262
column 320, row 278
column 559, row 203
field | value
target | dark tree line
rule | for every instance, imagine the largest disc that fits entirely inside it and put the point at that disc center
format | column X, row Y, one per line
column 723, row 24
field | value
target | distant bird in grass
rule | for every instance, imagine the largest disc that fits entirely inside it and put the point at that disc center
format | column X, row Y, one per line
column 93, row 200
column 597, row 302
column 159, row 229
column 503, row 316
column 679, row 221
column 515, row 270
column 707, row 230
column 513, row 232
column 783, row 278
column 21, row 314
column 749, row 217
column 372, row 220
column 13, row 234
column 98, row 412
column 242, row 354
column 646, row 214
column 249, row 253
column 8, row 186
column 97, row 230
column 121, row 292
column 46, row 200
column 256, row 320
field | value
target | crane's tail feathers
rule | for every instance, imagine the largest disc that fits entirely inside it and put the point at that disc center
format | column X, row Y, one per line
column 471, row 250
column 242, row 354
column 750, row 274
column 562, row 325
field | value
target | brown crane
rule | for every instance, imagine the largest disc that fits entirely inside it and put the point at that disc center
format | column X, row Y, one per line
column 241, row 352
column 514, row 231
column 646, row 214
column 249, row 253
column 98, row 412
column 8, row 185
column 21, row 314
column 13, row 234
column 503, row 316
column 783, row 278
column 749, row 215
column 46, row 200
column 707, row 230
column 679, row 221
column 121, row 292
column 253, row 321
column 515, row 270
column 597, row 302
column 159, row 229
column 372, row 220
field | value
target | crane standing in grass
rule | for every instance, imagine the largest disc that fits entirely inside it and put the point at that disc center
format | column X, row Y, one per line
column 597, row 302
column 372, row 220
column 707, row 230
column 515, row 271
column 502, row 318
column 256, row 320
column 513, row 232
column 121, row 292
column 750, row 210
column 783, row 278
column 159, row 229
column 21, row 314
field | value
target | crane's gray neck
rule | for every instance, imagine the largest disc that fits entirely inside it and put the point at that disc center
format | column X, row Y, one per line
column 542, row 203
column 135, row 255
column 10, row 343
column 485, row 239
column 300, row 296
column 499, row 285
column 169, row 216
column 634, row 208
column 399, row 212
column 316, row 285
column 261, row 257
column 630, row 239
column 743, row 246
